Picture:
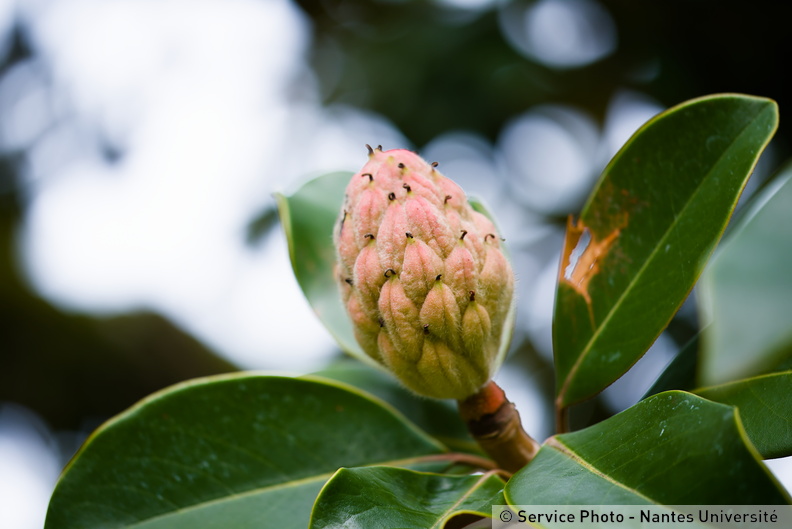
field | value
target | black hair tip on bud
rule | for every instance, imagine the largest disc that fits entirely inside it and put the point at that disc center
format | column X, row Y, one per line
column 370, row 150
column 379, row 148
column 472, row 295
column 371, row 176
column 434, row 164
column 447, row 198
column 391, row 196
column 349, row 281
column 390, row 272
column 462, row 237
column 438, row 277
column 407, row 187
column 401, row 165
column 409, row 235
column 369, row 236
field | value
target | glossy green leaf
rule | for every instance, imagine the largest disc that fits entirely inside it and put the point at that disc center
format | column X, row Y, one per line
column 654, row 218
column 242, row 451
column 308, row 215
column 765, row 404
column 438, row 418
column 746, row 292
column 674, row 448
column 373, row 497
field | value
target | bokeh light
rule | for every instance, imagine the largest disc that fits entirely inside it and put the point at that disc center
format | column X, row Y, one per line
column 560, row 33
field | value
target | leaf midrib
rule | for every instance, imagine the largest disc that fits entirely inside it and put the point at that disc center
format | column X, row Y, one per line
column 568, row 452
column 445, row 514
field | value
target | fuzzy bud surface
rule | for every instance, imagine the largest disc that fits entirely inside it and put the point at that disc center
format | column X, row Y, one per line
column 422, row 275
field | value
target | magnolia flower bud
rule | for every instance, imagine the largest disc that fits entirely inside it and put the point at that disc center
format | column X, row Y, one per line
column 423, row 276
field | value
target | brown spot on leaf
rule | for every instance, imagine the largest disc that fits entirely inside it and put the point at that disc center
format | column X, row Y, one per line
column 582, row 257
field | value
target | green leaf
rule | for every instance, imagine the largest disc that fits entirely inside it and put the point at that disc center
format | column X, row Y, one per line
column 746, row 292
column 373, row 497
column 672, row 449
column 654, row 218
column 438, row 418
column 308, row 215
column 242, row 451
column 765, row 404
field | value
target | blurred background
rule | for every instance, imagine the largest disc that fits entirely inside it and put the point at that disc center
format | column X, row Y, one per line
column 141, row 142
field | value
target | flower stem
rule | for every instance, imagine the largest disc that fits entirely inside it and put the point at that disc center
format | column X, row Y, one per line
column 495, row 424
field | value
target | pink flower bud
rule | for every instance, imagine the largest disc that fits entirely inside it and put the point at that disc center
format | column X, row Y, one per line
column 441, row 317
column 423, row 276
column 421, row 266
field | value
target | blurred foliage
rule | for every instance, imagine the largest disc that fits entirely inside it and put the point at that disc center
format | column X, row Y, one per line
column 430, row 71
column 432, row 68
